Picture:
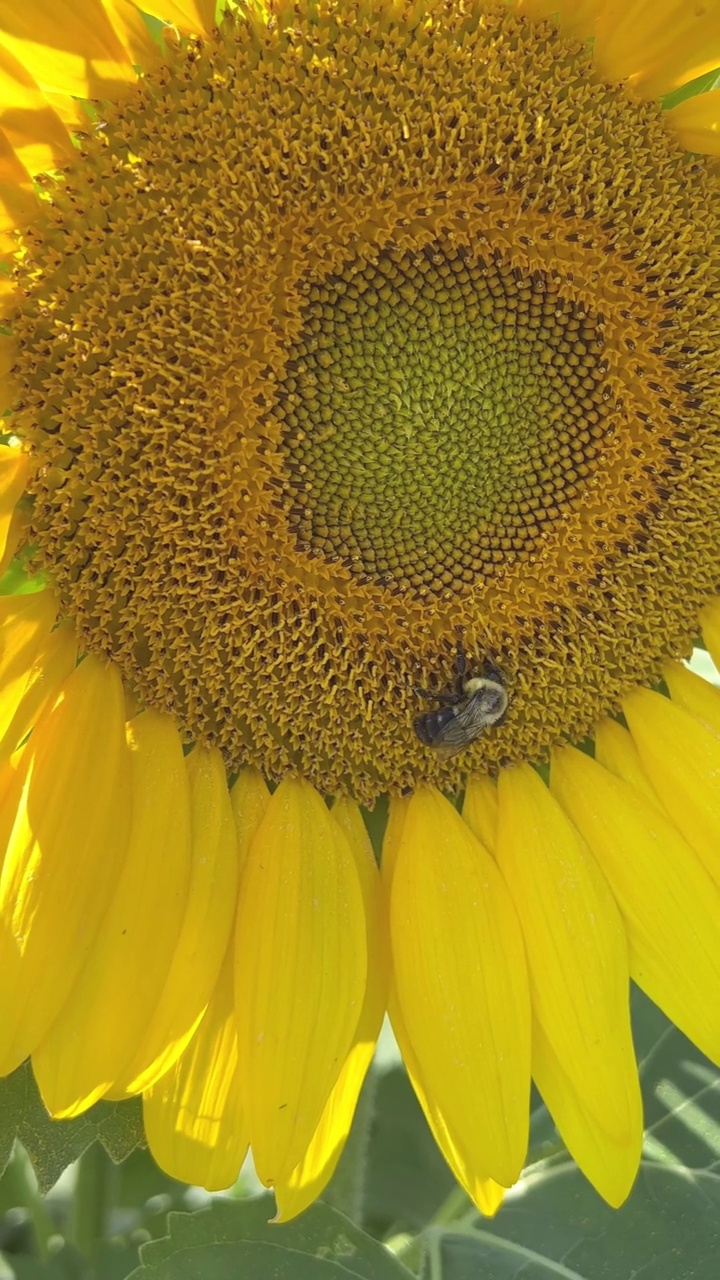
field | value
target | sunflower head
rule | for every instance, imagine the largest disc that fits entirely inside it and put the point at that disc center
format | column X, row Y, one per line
column 395, row 325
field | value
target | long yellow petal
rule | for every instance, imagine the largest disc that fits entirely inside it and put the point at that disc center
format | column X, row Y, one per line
column 693, row 694
column 67, row 48
column 579, row 982
column 33, row 129
column 681, row 757
column 710, row 624
column 195, row 17
column 461, row 984
column 25, row 626
column 134, row 33
column 65, row 852
column 696, row 123
column 192, row 1114
column 657, row 44
column 115, row 995
column 53, row 664
column 206, row 926
column 300, row 975
column 480, row 809
column 18, row 207
column 308, row 1180
column 615, row 749
column 486, row 1194
column 670, row 905
column 14, row 467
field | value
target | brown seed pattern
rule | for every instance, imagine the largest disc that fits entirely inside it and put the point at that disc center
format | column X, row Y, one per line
column 353, row 326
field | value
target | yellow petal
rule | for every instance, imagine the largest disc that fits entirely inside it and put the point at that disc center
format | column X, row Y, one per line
column 576, row 17
column 579, row 982
column 681, row 757
column 657, row 44
column 696, row 123
column 693, row 694
column 206, row 926
column 25, row 626
column 14, row 466
column 34, row 130
column 192, row 1114
column 710, row 624
column 308, row 1180
column 134, row 33
column 300, row 976
column 248, row 801
column 670, row 905
column 112, row 1002
column 67, row 48
column 615, row 749
column 461, row 984
column 480, row 809
column 485, row 1194
column 65, row 852
column 196, row 17
column 53, row 664
column 18, row 204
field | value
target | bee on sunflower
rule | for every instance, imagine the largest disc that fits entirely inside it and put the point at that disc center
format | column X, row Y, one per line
column 334, row 331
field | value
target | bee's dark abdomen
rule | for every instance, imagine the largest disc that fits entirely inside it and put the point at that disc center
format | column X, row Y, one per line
column 430, row 726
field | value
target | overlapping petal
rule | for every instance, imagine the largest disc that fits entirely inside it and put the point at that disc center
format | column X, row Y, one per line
column 206, row 925
column 308, row 1180
column 68, row 49
column 681, row 756
column 583, row 1059
column 693, row 694
column 657, row 44
column 113, row 1000
column 300, row 913
column 710, row 623
column 461, row 984
column 64, row 854
column 696, row 122
column 670, row 904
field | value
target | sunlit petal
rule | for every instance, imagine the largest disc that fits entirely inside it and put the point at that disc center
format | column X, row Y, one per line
column 657, row 44
column 65, row 852
column 681, row 756
column 300, row 912
column 693, row 694
column 70, row 49
column 670, row 905
column 583, row 1058
column 461, row 983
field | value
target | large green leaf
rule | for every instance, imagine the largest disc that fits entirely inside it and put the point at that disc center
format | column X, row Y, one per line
column 233, row 1240
column 558, row 1227
column 54, row 1144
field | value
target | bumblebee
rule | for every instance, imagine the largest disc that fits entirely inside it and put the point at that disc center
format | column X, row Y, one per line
column 471, row 705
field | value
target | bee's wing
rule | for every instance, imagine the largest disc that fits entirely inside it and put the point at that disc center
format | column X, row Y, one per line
column 466, row 725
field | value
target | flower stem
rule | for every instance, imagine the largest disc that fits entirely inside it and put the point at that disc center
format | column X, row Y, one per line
column 95, row 1195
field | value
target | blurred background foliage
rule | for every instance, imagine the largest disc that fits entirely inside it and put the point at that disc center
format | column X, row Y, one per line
column 83, row 1199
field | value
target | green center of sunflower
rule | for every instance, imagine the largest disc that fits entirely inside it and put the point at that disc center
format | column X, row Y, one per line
column 438, row 411
column 353, row 328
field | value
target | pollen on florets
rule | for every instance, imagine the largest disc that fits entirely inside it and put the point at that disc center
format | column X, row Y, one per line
column 352, row 328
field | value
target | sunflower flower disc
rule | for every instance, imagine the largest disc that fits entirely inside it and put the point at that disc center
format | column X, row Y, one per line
column 337, row 333
column 389, row 325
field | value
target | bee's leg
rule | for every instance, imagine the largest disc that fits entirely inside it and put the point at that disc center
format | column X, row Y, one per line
column 460, row 666
column 446, row 698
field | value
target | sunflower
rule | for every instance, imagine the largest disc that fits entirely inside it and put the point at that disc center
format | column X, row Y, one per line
column 339, row 337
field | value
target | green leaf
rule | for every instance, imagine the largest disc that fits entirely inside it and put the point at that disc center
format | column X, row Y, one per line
column 406, row 1177
column 701, row 84
column 556, row 1226
column 235, row 1241
column 54, row 1144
